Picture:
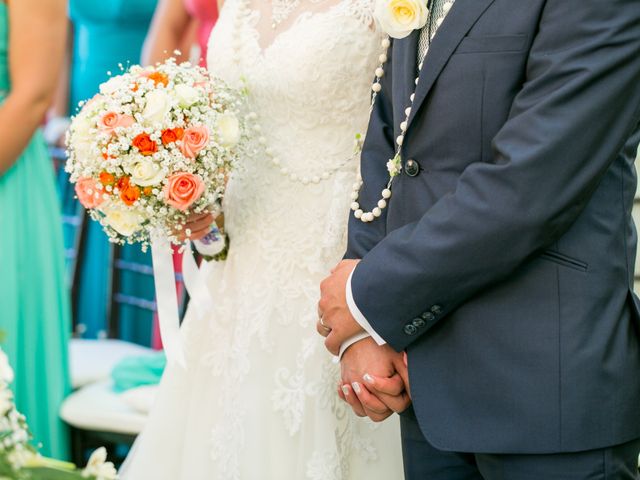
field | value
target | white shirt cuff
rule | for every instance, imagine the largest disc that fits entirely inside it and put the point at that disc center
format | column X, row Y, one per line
column 350, row 341
column 357, row 314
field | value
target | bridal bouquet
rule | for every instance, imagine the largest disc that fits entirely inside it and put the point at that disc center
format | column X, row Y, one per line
column 154, row 145
column 19, row 460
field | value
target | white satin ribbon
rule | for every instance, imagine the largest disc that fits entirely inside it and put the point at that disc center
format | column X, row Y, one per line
column 195, row 283
column 167, row 300
column 164, row 277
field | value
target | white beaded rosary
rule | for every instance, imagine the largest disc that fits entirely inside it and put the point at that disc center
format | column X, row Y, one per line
column 394, row 165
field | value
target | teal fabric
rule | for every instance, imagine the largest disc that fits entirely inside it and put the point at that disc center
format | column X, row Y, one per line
column 135, row 372
column 34, row 308
column 106, row 34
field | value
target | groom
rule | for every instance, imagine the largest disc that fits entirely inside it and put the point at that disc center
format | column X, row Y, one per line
column 503, row 262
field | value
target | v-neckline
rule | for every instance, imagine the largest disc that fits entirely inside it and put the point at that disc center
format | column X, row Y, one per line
column 256, row 36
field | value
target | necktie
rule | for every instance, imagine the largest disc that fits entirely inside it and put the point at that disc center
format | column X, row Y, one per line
column 437, row 13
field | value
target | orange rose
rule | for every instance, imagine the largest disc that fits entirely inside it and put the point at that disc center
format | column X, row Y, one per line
column 183, row 189
column 194, row 140
column 123, row 182
column 158, row 78
column 171, row 135
column 107, row 178
column 88, row 193
column 144, row 143
column 130, row 194
column 111, row 120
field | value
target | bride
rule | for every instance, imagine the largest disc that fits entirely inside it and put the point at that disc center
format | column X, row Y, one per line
column 258, row 400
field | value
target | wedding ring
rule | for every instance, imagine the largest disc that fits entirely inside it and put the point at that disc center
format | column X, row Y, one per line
column 328, row 329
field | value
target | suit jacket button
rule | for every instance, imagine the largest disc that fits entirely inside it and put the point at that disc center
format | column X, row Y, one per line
column 428, row 316
column 436, row 309
column 412, row 168
column 409, row 329
column 418, row 322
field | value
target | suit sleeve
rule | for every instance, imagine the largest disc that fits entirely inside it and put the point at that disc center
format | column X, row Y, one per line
column 378, row 148
column 578, row 106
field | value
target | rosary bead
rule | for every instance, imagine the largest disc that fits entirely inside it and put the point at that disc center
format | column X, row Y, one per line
column 379, row 72
column 377, row 212
column 403, row 126
column 386, row 43
column 386, row 194
column 358, row 214
column 407, row 111
column 383, row 58
column 382, row 204
column 355, row 206
column 400, row 139
column 376, row 87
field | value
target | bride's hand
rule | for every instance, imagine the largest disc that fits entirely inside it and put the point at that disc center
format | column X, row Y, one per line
column 199, row 225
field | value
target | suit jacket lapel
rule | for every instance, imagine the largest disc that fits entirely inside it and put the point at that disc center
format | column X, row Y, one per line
column 457, row 23
column 406, row 50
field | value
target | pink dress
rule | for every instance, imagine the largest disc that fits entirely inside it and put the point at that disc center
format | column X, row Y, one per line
column 206, row 14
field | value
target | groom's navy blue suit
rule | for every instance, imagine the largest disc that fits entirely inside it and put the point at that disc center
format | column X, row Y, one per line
column 504, row 267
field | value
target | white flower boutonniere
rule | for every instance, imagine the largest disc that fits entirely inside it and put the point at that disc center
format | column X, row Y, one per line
column 398, row 18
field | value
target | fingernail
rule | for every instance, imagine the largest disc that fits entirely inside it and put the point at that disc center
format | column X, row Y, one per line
column 345, row 390
column 356, row 387
column 368, row 378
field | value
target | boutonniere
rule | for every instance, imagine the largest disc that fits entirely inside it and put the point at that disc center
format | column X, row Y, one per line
column 398, row 18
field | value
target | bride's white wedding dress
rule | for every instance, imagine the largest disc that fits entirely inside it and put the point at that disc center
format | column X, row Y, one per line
column 258, row 401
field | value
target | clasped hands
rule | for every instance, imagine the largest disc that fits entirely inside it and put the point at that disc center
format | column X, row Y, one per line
column 374, row 378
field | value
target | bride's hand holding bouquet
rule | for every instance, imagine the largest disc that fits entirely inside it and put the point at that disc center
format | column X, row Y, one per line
column 154, row 148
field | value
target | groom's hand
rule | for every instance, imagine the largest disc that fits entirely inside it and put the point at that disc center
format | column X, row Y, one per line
column 335, row 320
column 374, row 381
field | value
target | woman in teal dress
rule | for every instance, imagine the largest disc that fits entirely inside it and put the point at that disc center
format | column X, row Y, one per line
column 34, row 311
column 106, row 34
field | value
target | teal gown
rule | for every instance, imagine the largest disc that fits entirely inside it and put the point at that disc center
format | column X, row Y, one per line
column 106, row 34
column 34, row 310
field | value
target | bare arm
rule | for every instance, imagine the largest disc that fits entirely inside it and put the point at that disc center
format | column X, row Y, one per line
column 60, row 104
column 168, row 29
column 37, row 42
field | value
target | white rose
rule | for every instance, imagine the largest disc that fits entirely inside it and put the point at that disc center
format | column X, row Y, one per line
column 157, row 106
column 124, row 220
column 113, row 85
column 145, row 172
column 186, row 95
column 228, row 129
column 398, row 18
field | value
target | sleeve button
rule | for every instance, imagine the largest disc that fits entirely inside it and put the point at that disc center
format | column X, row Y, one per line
column 409, row 329
column 418, row 322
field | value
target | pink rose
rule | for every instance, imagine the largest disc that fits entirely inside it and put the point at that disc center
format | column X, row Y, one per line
column 88, row 193
column 194, row 140
column 111, row 120
column 182, row 189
